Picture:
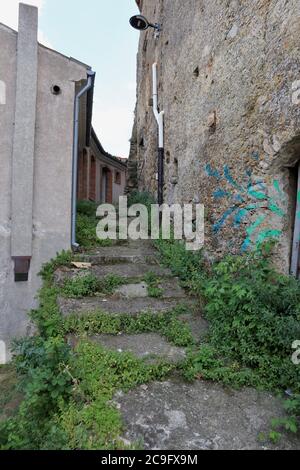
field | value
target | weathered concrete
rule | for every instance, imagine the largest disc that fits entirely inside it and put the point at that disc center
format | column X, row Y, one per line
column 130, row 271
column 169, row 289
column 52, row 175
column 132, row 291
column 229, row 86
column 128, row 306
column 199, row 416
column 24, row 133
column 144, row 254
column 197, row 324
column 149, row 346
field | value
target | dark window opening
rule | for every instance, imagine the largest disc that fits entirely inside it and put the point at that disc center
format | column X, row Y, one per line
column 117, row 177
column 295, row 213
column 196, row 72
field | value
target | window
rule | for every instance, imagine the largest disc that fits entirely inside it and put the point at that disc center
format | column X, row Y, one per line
column 117, row 177
column 92, row 189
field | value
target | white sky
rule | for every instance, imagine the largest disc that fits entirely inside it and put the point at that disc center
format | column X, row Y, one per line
column 9, row 15
column 109, row 50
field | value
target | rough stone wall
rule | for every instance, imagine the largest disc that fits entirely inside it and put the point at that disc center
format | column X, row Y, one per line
column 132, row 175
column 229, row 74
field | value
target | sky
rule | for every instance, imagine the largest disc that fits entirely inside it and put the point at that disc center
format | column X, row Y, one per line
column 96, row 32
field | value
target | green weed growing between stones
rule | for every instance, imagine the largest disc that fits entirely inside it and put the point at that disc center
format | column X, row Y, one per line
column 89, row 285
column 254, row 317
column 153, row 283
column 86, row 226
column 167, row 324
column 67, row 393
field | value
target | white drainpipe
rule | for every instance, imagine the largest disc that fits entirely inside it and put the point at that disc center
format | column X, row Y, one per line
column 85, row 89
column 159, row 116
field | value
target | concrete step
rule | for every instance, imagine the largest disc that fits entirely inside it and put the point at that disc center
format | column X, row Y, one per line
column 149, row 346
column 121, row 306
column 169, row 289
column 126, row 270
column 197, row 324
column 141, row 251
column 200, row 416
column 119, row 255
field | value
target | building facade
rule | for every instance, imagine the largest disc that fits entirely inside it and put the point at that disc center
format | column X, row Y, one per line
column 229, row 86
column 101, row 177
column 38, row 144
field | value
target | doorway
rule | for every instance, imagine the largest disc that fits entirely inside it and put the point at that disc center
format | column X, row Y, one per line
column 295, row 271
column 106, row 192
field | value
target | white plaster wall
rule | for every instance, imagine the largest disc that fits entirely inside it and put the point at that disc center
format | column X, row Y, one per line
column 118, row 189
column 52, row 177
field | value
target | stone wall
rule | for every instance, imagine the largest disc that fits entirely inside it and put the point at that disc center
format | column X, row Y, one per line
column 229, row 74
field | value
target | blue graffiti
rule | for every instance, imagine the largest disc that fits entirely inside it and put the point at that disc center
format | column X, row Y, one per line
column 220, row 193
column 254, row 189
column 218, row 225
column 255, row 155
column 212, row 172
column 240, row 216
column 230, row 179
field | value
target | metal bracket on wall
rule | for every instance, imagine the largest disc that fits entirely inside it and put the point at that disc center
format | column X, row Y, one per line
column 22, row 266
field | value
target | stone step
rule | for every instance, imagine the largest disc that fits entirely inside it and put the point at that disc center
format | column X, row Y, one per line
column 169, row 289
column 141, row 251
column 149, row 346
column 121, row 306
column 198, row 325
column 126, row 270
column 119, row 255
column 130, row 270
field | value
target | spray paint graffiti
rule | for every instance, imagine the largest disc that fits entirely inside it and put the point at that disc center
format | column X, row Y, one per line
column 245, row 200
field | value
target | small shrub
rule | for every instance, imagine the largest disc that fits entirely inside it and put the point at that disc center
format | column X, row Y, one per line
column 90, row 421
column 153, row 282
column 45, row 385
column 291, row 423
column 254, row 316
column 62, row 259
column 144, row 198
column 86, row 226
column 167, row 324
column 90, row 285
column 110, row 283
column 81, row 286
column 87, row 208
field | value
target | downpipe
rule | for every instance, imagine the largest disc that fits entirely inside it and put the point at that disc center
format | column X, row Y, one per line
column 159, row 116
column 85, row 89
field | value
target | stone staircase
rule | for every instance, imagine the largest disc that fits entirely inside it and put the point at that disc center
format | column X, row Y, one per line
column 133, row 261
column 172, row 414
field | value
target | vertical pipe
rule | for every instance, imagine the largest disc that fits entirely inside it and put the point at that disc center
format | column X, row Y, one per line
column 160, row 176
column 159, row 116
column 296, row 239
column 88, row 85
